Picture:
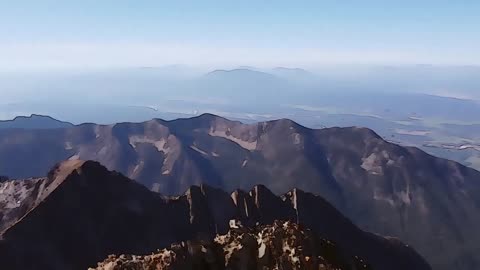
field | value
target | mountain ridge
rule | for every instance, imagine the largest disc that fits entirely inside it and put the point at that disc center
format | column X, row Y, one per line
column 282, row 245
column 101, row 198
column 239, row 71
column 34, row 121
column 427, row 202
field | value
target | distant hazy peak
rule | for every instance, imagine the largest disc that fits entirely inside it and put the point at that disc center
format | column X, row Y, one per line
column 299, row 70
column 34, row 121
column 33, row 116
column 238, row 71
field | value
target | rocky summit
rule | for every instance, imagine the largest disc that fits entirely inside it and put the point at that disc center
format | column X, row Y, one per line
column 282, row 245
column 82, row 212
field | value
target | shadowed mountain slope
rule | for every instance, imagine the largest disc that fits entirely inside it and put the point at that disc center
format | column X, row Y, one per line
column 86, row 212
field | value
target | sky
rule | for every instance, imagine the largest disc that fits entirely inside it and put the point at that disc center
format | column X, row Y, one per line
column 44, row 34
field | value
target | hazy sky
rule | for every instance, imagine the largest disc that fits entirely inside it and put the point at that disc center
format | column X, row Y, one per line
column 105, row 33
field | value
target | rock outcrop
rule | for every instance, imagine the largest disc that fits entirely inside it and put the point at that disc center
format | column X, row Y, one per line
column 283, row 245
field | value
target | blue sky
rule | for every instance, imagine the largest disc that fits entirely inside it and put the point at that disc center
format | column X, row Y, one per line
column 39, row 34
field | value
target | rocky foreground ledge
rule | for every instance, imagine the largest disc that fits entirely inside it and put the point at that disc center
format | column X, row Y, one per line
column 283, row 245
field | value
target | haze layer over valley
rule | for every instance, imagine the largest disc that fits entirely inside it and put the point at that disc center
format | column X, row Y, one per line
column 432, row 107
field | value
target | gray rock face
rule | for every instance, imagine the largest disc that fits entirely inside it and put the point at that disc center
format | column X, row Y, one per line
column 86, row 212
column 430, row 203
column 17, row 197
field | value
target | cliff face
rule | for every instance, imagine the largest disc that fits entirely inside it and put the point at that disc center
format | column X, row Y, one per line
column 87, row 212
column 282, row 245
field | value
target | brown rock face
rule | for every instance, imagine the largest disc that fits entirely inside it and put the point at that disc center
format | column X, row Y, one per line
column 85, row 212
column 283, row 245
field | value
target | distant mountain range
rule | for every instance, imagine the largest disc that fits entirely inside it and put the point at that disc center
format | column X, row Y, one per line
column 34, row 121
column 242, row 86
column 81, row 212
column 429, row 203
column 239, row 72
column 295, row 74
